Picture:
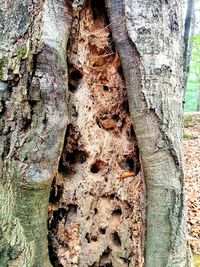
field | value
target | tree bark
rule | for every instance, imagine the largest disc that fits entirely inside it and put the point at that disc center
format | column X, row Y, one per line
column 148, row 38
column 33, row 123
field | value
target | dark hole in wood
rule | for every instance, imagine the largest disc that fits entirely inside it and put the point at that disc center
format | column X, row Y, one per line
column 133, row 132
column 71, row 87
column 115, row 117
column 56, row 192
column 137, row 169
column 106, row 252
column 112, row 196
column 52, row 254
column 105, row 88
column 62, row 212
column 87, row 237
column 111, row 43
column 121, row 73
column 81, row 156
column 116, row 239
column 98, row 122
column 95, row 210
column 76, row 156
column 95, row 168
column 76, row 75
column 102, row 230
column 105, row 259
column 94, row 238
column 117, row 212
column 45, row 120
column 130, row 164
column 57, row 216
column 99, row 10
column 126, row 107
column 71, row 158
column 62, row 167
column 74, row 111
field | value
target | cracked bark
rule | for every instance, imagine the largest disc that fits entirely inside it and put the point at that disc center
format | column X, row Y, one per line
column 124, row 80
column 33, row 96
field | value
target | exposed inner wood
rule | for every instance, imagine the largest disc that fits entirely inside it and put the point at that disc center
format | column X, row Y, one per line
column 97, row 205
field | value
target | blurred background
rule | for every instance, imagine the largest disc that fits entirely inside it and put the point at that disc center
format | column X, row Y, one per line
column 192, row 55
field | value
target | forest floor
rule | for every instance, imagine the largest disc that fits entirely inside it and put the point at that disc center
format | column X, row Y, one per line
column 192, row 176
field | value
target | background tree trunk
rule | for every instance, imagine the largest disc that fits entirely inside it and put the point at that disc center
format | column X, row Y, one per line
column 97, row 198
column 189, row 29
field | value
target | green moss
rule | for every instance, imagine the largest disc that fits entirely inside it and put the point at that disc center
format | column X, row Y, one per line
column 21, row 52
column 189, row 136
column 191, row 120
column 196, row 258
column 188, row 121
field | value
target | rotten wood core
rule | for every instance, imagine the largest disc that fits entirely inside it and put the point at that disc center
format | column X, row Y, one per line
column 97, row 205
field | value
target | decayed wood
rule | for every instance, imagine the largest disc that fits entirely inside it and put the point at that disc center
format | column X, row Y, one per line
column 96, row 219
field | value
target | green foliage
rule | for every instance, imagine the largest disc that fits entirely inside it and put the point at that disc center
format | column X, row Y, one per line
column 189, row 136
column 190, row 121
column 193, row 85
column 191, row 97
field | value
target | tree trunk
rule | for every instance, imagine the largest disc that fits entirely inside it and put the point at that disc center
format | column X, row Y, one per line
column 189, row 30
column 33, row 123
column 124, row 106
column 150, row 51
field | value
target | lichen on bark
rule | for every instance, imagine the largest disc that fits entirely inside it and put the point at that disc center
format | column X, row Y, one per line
column 33, row 99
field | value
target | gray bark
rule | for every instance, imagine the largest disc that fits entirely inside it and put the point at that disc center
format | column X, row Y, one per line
column 33, row 104
column 148, row 38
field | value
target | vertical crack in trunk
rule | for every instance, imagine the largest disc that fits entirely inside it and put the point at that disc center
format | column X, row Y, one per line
column 97, row 205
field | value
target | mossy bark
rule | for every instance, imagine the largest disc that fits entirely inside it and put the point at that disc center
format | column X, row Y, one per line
column 33, row 94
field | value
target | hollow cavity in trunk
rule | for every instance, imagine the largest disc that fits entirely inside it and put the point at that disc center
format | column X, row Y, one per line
column 96, row 209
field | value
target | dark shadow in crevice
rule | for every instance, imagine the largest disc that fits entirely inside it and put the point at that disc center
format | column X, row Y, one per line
column 116, row 239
